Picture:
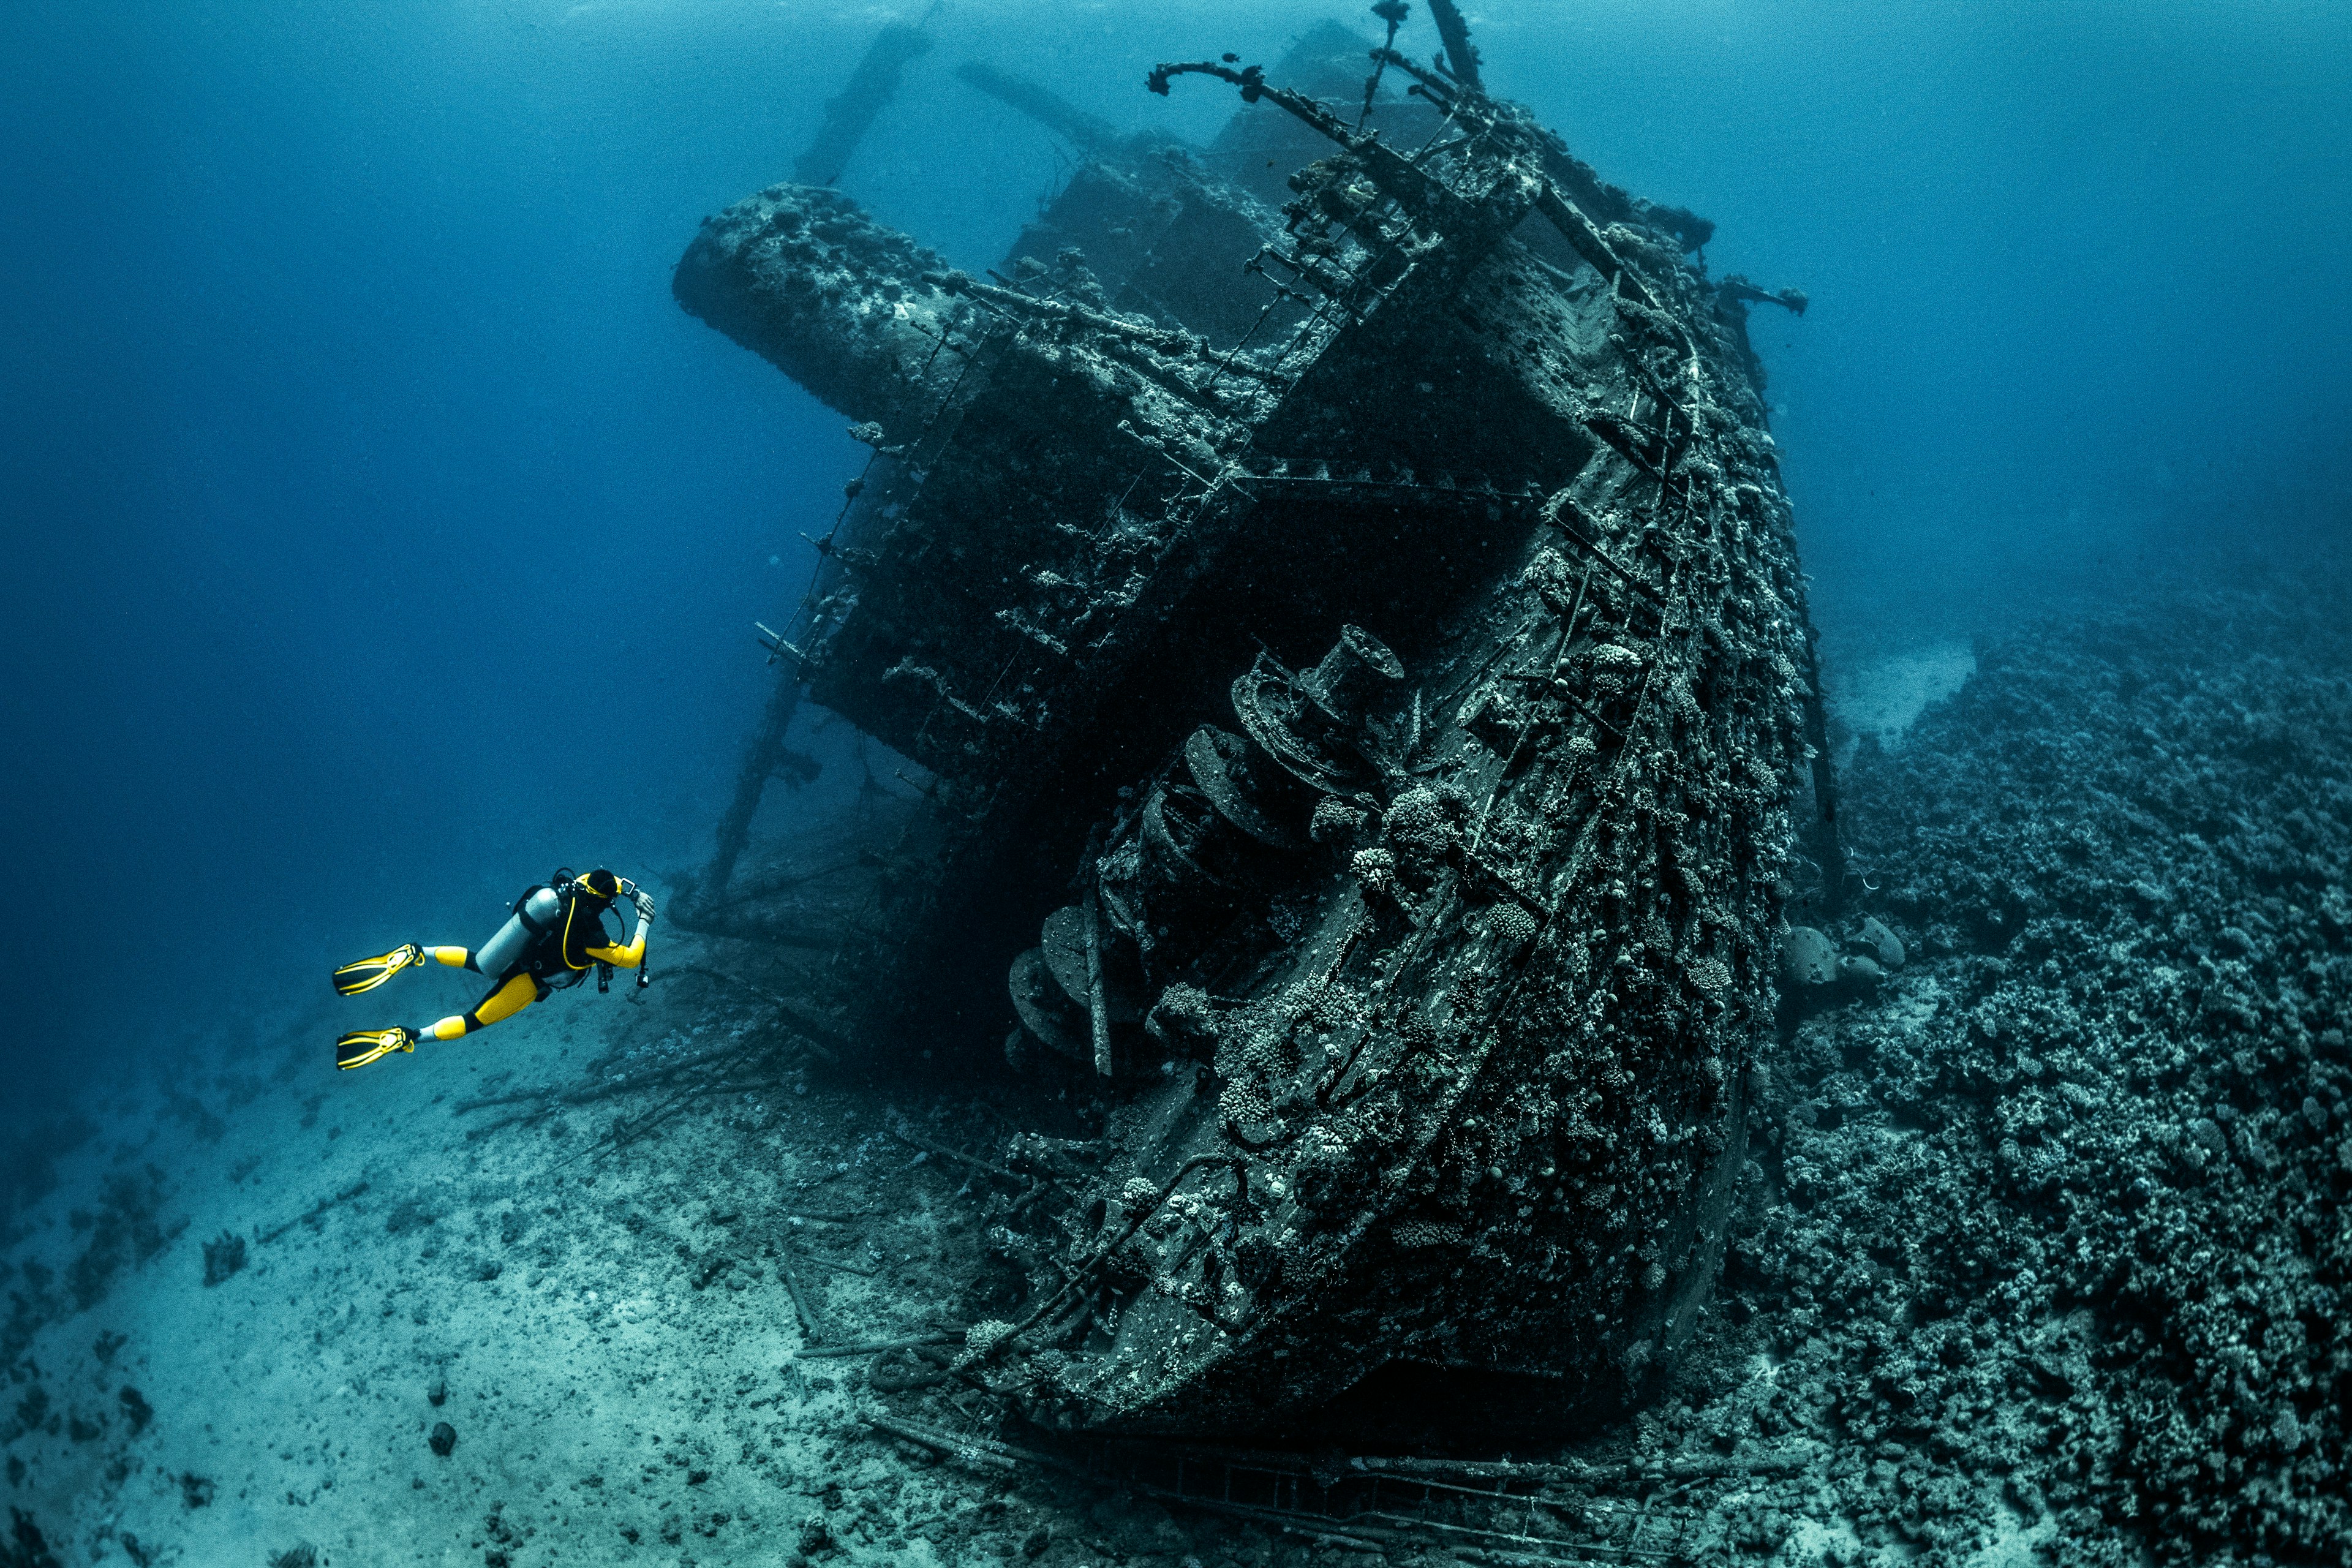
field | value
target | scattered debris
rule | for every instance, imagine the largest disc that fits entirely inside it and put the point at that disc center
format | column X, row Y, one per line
column 315, row 1213
column 224, row 1256
column 123, row 1230
column 26, row 1547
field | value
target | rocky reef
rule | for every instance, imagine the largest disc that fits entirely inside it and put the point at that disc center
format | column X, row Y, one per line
column 2047, row 1233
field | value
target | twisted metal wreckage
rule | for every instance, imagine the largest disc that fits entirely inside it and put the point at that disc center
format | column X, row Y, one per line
column 1348, row 613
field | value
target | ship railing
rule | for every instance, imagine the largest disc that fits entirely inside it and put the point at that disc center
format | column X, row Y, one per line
column 1394, row 482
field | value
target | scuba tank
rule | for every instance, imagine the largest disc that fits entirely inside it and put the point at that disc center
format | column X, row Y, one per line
column 539, row 937
column 538, row 912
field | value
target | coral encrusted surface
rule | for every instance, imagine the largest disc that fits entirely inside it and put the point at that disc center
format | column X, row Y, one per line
column 2048, row 1236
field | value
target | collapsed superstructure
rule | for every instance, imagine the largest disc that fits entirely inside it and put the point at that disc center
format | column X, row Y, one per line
column 1354, row 633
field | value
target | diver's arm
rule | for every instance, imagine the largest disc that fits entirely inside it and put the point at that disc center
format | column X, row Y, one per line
column 634, row 955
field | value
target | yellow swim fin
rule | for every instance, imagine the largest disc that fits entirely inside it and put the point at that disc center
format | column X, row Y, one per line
column 361, row 1047
column 367, row 973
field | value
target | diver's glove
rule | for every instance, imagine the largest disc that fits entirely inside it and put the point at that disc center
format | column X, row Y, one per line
column 645, row 906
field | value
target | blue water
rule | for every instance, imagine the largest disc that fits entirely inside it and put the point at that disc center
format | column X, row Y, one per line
column 379, row 534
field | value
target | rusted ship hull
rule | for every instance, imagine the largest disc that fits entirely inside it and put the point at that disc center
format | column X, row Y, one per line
column 1386, row 712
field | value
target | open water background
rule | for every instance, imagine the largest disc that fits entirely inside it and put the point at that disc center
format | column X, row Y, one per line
column 378, row 533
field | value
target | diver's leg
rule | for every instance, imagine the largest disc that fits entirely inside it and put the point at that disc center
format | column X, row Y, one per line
column 503, row 1002
column 363, row 1046
column 455, row 957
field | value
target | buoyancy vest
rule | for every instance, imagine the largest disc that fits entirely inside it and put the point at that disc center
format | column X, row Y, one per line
column 548, row 936
column 560, row 958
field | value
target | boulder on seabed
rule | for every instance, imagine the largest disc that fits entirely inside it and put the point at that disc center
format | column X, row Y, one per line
column 1884, row 944
column 1808, row 958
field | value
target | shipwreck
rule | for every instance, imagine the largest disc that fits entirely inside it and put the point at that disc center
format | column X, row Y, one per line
column 1344, row 608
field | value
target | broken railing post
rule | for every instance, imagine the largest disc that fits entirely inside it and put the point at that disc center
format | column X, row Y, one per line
column 1097, row 1005
column 1460, row 55
column 1828, row 841
column 1736, row 287
column 760, row 763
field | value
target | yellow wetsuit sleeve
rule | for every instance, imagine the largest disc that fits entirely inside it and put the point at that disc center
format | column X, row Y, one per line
column 627, row 957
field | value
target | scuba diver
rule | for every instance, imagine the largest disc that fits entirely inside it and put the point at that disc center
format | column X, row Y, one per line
column 548, row 943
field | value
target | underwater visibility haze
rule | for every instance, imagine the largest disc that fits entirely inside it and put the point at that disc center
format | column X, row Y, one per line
column 1667, row 797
